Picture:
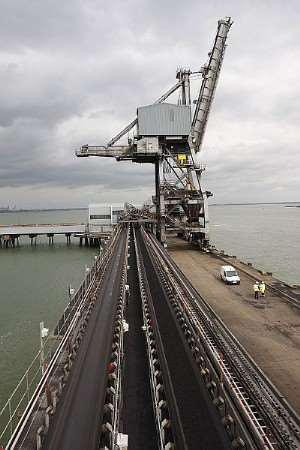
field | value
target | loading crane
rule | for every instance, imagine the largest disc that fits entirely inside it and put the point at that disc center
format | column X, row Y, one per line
column 167, row 136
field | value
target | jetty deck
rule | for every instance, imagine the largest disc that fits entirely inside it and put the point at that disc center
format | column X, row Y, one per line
column 269, row 329
column 10, row 234
column 41, row 229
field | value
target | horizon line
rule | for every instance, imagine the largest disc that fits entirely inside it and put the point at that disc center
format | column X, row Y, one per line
column 211, row 204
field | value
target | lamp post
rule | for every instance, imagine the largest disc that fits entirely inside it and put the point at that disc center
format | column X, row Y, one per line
column 87, row 271
column 71, row 292
column 43, row 334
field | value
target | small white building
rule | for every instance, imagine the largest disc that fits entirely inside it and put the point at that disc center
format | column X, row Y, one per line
column 103, row 216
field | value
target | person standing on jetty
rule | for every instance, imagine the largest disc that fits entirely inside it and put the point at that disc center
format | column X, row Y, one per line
column 256, row 289
column 262, row 288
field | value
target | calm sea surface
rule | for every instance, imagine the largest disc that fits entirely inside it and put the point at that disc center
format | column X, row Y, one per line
column 34, row 280
column 33, row 288
column 266, row 235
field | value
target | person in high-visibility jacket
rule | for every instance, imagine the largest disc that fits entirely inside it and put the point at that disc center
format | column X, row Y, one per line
column 262, row 288
column 182, row 159
column 256, row 289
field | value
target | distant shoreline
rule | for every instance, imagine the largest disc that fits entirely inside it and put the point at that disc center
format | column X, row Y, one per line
column 43, row 210
column 286, row 204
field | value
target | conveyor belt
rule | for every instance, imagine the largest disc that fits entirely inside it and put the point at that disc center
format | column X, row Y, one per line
column 76, row 422
column 200, row 422
column 137, row 411
column 265, row 420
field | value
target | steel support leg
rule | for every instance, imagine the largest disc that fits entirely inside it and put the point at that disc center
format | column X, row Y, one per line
column 160, row 202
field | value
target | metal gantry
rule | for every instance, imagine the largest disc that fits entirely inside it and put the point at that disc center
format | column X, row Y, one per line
column 167, row 136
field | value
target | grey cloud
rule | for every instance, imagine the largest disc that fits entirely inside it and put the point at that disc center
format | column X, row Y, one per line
column 30, row 24
column 74, row 72
column 33, row 162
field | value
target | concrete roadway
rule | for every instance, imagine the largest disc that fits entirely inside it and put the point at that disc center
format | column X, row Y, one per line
column 269, row 329
column 76, row 423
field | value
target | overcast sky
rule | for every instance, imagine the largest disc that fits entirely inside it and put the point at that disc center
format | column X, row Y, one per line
column 73, row 72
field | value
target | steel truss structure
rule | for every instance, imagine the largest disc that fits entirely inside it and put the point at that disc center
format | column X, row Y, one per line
column 163, row 138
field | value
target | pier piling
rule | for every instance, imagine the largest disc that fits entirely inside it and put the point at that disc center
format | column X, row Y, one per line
column 9, row 235
column 50, row 238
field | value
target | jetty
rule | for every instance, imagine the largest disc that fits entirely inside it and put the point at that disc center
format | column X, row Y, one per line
column 10, row 234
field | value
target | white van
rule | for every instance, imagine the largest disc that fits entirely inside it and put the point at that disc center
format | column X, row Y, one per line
column 229, row 275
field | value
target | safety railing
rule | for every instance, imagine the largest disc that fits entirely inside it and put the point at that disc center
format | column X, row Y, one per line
column 22, row 395
column 257, row 403
column 118, row 397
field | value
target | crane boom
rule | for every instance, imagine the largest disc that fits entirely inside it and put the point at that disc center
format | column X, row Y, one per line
column 121, row 151
column 210, row 75
column 100, row 150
